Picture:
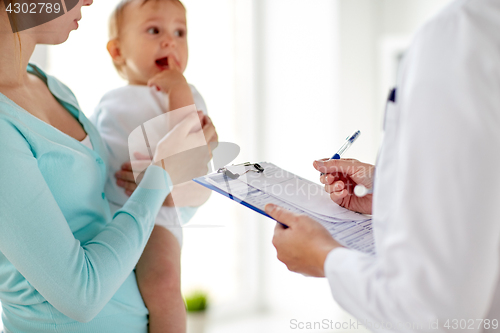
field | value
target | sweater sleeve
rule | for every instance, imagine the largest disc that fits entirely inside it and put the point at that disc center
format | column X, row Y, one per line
column 77, row 279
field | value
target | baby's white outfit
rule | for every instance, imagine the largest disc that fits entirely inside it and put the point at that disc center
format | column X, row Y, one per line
column 119, row 112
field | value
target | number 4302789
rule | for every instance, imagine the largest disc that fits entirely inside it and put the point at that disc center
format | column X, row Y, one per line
column 463, row 324
column 34, row 8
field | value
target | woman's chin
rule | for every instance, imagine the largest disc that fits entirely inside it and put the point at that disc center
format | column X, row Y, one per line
column 54, row 34
column 54, row 39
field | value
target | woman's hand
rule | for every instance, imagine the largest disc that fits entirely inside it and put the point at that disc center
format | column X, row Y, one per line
column 190, row 193
column 209, row 130
column 125, row 178
column 304, row 245
column 341, row 177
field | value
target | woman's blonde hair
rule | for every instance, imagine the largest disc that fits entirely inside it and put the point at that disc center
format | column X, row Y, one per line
column 14, row 25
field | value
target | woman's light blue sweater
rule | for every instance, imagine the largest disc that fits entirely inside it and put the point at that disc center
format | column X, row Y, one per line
column 66, row 265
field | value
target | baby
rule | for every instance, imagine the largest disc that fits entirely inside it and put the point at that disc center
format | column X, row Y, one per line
column 148, row 45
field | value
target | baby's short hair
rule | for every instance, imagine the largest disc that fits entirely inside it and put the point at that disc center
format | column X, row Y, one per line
column 116, row 20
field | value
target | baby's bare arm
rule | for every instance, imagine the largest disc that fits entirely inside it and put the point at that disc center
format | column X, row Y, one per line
column 180, row 96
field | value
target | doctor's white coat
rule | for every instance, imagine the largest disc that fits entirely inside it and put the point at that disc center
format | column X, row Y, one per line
column 436, row 212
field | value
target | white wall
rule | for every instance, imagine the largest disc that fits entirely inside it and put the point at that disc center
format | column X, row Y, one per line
column 299, row 50
column 368, row 27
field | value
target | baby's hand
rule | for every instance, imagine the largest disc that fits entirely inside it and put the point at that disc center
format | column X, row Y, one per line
column 172, row 82
column 169, row 79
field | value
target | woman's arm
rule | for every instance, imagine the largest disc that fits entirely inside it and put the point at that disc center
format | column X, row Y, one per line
column 76, row 278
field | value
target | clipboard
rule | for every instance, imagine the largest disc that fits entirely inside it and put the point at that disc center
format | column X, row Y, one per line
column 249, row 184
column 203, row 182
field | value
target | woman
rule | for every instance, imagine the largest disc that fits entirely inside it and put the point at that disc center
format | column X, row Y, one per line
column 435, row 205
column 66, row 265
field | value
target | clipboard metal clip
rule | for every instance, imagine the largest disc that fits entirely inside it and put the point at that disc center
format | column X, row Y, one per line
column 256, row 168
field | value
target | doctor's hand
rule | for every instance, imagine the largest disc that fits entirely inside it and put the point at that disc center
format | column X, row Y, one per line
column 304, row 245
column 341, row 177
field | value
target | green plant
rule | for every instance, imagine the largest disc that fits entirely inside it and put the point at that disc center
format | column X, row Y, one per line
column 196, row 301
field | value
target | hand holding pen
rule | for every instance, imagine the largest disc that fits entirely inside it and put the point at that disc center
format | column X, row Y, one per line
column 359, row 190
column 343, row 177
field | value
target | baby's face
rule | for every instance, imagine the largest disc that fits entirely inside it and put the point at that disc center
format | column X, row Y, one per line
column 150, row 33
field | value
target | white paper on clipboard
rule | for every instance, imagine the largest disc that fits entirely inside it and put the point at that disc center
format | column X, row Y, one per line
column 297, row 195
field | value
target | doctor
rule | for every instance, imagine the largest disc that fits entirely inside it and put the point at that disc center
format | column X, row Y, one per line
column 436, row 190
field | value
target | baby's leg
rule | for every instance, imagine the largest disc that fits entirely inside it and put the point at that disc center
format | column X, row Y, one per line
column 158, row 276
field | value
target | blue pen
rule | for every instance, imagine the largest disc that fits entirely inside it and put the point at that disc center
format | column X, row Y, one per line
column 349, row 141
